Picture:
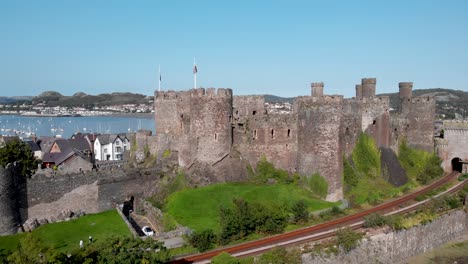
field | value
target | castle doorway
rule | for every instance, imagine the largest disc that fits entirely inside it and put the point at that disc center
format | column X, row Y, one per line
column 457, row 165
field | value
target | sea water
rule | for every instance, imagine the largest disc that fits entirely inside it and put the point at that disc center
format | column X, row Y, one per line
column 25, row 126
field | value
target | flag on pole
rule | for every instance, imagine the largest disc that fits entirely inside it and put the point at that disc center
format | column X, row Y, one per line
column 195, row 70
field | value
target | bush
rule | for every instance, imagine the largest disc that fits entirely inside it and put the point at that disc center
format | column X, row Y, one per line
column 318, row 185
column 366, row 156
column 266, row 170
column 348, row 239
column 374, row 220
column 203, row 240
column 350, row 177
column 300, row 212
column 245, row 219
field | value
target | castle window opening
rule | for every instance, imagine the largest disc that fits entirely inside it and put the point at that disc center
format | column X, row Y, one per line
column 230, row 119
column 216, row 136
column 254, row 112
column 289, row 134
column 237, row 112
column 254, row 134
column 272, row 133
column 373, row 122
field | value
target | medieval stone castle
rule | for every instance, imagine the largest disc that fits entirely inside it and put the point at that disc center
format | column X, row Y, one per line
column 217, row 134
column 214, row 136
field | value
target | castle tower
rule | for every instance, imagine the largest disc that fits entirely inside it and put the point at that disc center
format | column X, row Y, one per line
column 406, row 92
column 8, row 210
column 358, row 91
column 318, row 140
column 368, row 87
column 317, row 89
column 210, row 124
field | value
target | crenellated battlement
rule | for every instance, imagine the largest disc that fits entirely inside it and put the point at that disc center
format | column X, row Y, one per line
column 166, row 94
column 211, row 92
column 455, row 125
column 323, row 100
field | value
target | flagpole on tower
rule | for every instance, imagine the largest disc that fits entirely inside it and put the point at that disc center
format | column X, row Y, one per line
column 159, row 70
column 194, row 74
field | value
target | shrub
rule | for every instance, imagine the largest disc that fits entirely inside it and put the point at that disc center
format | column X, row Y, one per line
column 202, row 240
column 246, row 218
column 348, row 239
column 366, row 156
column 318, row 185
column 266, row 170
column 350, row 177
column 374, row 220
column 299, row 210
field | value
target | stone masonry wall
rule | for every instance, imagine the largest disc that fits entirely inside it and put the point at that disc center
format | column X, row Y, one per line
column 421, row 117
column 398, row 246
column 318, row 140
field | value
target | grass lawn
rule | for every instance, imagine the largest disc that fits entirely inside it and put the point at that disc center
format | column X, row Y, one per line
column 198, row 208
column 65, row 236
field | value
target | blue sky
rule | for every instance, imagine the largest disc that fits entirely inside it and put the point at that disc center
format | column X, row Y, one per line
column 253, row 47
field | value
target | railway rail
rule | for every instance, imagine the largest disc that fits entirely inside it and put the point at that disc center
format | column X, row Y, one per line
column 323, row 230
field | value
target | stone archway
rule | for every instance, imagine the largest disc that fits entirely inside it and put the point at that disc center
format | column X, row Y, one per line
column 457, row 164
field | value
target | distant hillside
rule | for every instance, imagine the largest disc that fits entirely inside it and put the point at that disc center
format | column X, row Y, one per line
column 448, row 102
column 51, row 98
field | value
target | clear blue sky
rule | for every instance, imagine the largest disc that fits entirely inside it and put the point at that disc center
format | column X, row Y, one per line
column 253, row 47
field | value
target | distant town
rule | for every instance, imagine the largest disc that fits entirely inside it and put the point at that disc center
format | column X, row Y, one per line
column 42, row 110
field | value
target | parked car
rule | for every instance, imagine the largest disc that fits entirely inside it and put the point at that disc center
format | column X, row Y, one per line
column 147, row 231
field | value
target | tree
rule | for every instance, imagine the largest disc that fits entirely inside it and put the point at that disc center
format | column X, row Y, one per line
column 203, row 240
column 32, row 250
column 299, row 210
column 19, row 152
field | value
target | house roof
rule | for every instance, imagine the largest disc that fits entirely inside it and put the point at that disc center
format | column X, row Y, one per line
column 107, row 138
column 68, row 148
column 33, row 145
column 45, row 143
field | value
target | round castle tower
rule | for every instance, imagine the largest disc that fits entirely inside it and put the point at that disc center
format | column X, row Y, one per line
column 358, row 91
column 317, row 89
column 8, row 210
column 405, row 94
column 368, row 87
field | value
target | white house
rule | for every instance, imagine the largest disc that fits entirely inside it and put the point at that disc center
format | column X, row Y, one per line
column 110, row 147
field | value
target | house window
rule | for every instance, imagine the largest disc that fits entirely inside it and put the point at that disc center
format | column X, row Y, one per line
column 105, row 150
column 118, row 149
column 117, row 143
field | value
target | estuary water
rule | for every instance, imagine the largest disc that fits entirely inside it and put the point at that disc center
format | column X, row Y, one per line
column 24, row 126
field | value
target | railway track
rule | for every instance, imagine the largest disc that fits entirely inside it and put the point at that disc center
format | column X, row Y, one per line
column 322, row 230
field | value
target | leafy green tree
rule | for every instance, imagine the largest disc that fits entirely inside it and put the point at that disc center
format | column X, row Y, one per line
column 121, row 250
column 32, row 250
column 203, row 240
column 300, row 212
column 19, row 152
column 245, row 218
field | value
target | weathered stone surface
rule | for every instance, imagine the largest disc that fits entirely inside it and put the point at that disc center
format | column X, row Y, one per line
column 397, row 246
